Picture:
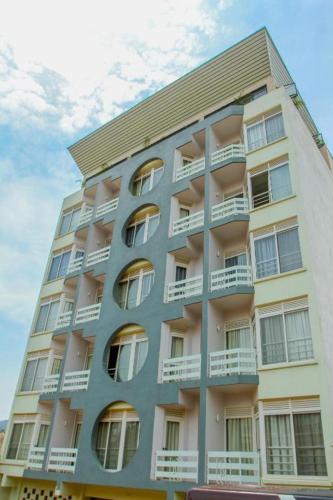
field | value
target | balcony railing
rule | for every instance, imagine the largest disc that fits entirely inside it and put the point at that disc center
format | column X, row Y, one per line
column 36, row 458
column 50, row 383
column 75, row 264
column 229, row 208
column 190, row 168
column 88, row 313
column 76, row 381
column 183, row 289
column 64, row 319
column 86, row 214
column 107, row 207
column 186, row 223
column 62, row 460
column 232, row 362
column 230, row 276
column 227, row 153
column 233, row 467
column 177, row 465
column 98, row 256
column 182, row 368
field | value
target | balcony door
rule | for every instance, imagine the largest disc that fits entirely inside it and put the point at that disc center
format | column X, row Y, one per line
column 172, row 435
column 239, row 434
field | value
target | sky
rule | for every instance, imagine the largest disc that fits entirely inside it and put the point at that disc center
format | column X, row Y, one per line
column 68, row 67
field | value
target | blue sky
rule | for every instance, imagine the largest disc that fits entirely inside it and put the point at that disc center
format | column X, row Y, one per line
column 68, row 67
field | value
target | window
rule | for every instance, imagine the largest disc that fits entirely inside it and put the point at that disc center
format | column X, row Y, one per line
column 56, row 365
column 140, row 231
column 277, row 253
column 59, row 265
column 133, row 290
column 127, row 357
column 144, row 183
column 117, row 441
column 239, row 434
column 239, row 338
column 286, row 337
column 69, row 221
column 172, row 435
column 294, row 445
column 20, row 441
column 34, row 375
column 177, row 346
column 265, row 131
column 43, row 435
column 184, row 212
column 76, row 436
column 47, row 316
column 236, row 260
column 181, row 273
column 271, row 185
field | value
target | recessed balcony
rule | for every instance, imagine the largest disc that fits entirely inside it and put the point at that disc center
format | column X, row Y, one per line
column 107, row 207
column 187, row 223
column 76, row 381
column 229, row 208
column 184, row 289
column 190, row 157
column 190, row 168
column 229, row 277
column 232, row 362
column 50, row 383
column 98, row 256
column 88, row 313
column 181, row 368
column 177, row 465
column 62, row 460
column 86, row 214
column 233, row 467
column 228, row 153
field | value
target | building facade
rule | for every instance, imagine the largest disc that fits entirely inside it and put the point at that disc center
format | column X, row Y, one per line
column 183, row 333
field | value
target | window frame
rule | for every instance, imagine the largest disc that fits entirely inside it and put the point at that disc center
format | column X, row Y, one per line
column 29, row 360
column 140, row 276
column 133, row 342
column 145, row 221
column 48, row 303
column 60, row 254
column 22, row 422
column 64, row 214
column 180, row 421
column 139, row 178
column 268, row 168
column 262, row 120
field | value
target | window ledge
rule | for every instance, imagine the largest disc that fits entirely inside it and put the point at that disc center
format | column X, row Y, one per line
column 47, row 282
column 293, row 364
column 28, row 393
column 297, row 480
column 266, row 145
column 45, row 332
column 272, row 204
column 62, row 235
column 281, row 275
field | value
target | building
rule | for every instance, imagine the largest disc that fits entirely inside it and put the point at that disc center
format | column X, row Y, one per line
column 183, row 333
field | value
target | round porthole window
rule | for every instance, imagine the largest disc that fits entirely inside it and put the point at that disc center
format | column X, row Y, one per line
column 134, row 284
column 147, row 177
column 141, row 225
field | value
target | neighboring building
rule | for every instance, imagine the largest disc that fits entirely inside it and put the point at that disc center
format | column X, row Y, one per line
column 3, row 424
column 183, row 333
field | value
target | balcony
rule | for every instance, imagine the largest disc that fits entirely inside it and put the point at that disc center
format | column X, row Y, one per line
column 107, row 207
column 182, row 368
column 98, row 256
column 62, row 460
column 184, row 288
column 187, row 223
column 189, row 169
column 64, row 319
column 177, row 465
column 233, row 467
column 88, row 313
column 232, row 362
column 86, row 214
column 76, row 381
column 230, row 277
column 50, row 384
column 228, row 153
column 75, row 264
column 230, row 208
column 36, row 458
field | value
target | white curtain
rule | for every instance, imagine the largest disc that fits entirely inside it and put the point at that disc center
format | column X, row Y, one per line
column 102, row 433
column 172, row 435
column 112, row 452
column 147, row 283
column 274, row 128
column 239, row 434
column 272, row 340
column 280, row 182
column 42, row 435
column 310, row 451
column 255, row 136
column 266, row 258
column 140, row 355
column 298, row 332
column 237, row 339
column 123, row 362
column 131, row 441
column 279, row 448
column 40, row 374
column 177, row 347
column 26, row 437
column 289, row 250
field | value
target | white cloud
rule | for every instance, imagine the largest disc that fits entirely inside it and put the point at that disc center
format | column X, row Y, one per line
column 79, row 63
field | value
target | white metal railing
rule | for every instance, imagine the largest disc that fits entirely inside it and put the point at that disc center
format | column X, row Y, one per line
column 233, row 467
column 62, row 460
column 36, row 457
column 64, row 319
column 76, row 381
column 107, row 207
column 187, row 223
column 230, row 151
column 184, row 288
column 190, row 168
column 75, row 264
column 230, row 276
column 177, row 465
column 88, row 313
column 86, row 214
column 229, row 208
column 182, row 368
column 232, row 362
column 50, row 383
column 98, row 256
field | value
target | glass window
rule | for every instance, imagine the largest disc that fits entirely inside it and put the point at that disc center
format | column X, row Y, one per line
column 133, row 291
column 239, row 339
column 47, row 316
column 126, row 358
column 59, row 266
column 236, row 260
column 305, row 445
column 286, row 337
column 76, row 435
column 172, row 435
column 177, row 347
column 140, row 231
column 34, row 375
column 181, row 273
column 43, row 435
column 265, row 131
column 272, row 185
column 239, row 434
column 69, row 221
column 131, row 441
column 277, row 253
column 20, row 441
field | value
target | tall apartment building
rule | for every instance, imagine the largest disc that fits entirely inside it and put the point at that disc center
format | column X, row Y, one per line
column 183, row 332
